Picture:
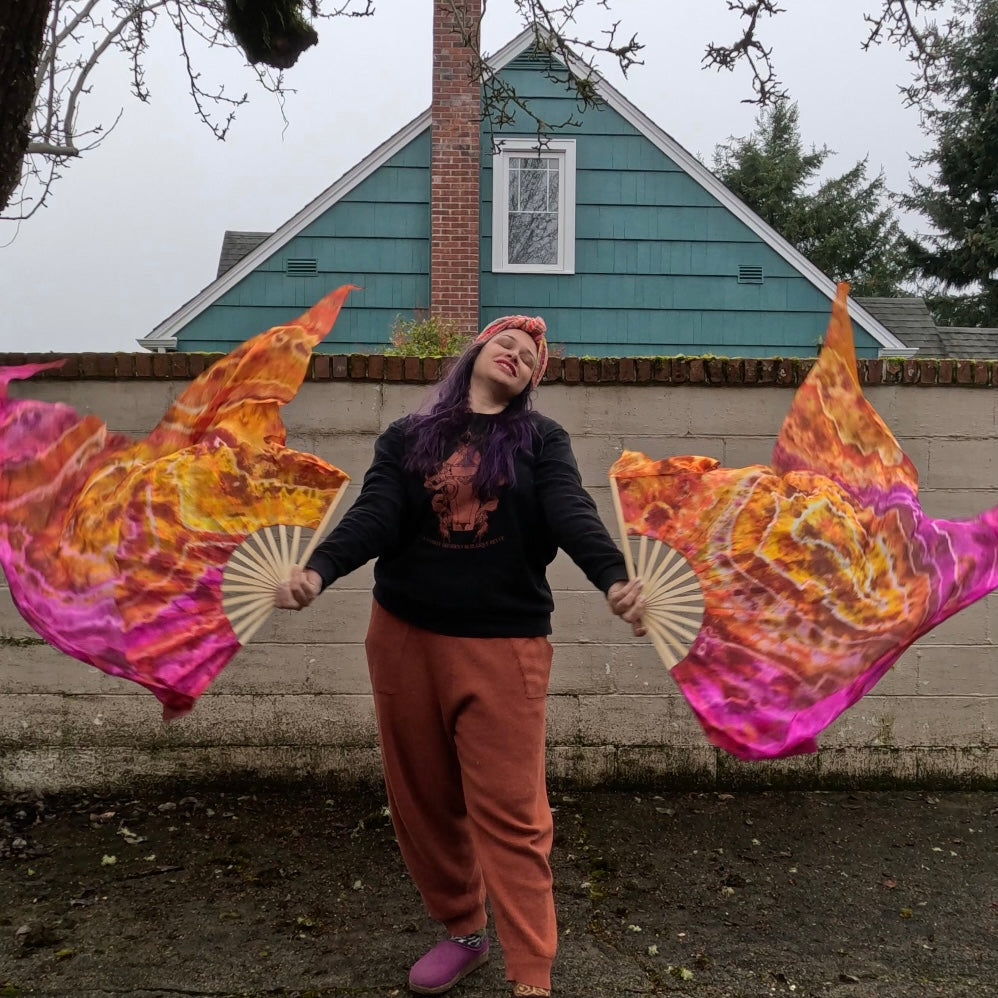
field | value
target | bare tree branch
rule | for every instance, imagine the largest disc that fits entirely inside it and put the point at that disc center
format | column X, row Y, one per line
column 272, row 33
column 898, row 22
column 748, row 48
column 80, row 33
column 83, row 72
column 901, row 23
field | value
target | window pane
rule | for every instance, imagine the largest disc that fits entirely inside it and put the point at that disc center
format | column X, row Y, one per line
column 533, row 210
column 533, row 237
column 531, row 180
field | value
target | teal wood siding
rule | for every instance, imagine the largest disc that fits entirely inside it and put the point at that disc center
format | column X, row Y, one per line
column 657, row 256
column 376, row 236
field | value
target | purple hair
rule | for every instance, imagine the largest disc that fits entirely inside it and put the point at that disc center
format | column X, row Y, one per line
column 432, row 433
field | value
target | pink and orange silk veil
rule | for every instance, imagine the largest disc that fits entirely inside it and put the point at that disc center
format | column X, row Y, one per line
column 114, row 548
column 817, row 571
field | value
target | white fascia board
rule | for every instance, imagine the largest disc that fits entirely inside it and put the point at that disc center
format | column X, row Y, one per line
column 162, row 345
column 165, row 334
column 890, row 345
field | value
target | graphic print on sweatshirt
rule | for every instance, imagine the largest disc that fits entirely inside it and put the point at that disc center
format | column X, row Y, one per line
column 459, row 510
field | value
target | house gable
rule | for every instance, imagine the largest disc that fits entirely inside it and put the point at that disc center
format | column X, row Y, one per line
column 662, row 250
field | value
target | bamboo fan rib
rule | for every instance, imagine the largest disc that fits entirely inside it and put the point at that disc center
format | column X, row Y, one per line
column 260, row 563
column 672, row 593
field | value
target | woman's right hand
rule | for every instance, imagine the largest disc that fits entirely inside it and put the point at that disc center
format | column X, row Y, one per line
column 625, row 601
column 302, row 586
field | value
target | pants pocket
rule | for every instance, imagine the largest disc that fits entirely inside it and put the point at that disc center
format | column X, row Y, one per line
column 533, row 657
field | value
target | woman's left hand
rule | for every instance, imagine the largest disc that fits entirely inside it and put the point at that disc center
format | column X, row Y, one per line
column 298, row 591
column 625, row 601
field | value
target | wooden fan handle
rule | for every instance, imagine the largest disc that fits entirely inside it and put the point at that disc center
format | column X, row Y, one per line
column 622, row 527
column 320, row 530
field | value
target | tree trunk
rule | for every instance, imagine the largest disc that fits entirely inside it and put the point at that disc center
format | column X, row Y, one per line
column 22, row 31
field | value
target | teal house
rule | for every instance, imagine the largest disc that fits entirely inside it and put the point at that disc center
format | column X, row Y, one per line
column 622, row 240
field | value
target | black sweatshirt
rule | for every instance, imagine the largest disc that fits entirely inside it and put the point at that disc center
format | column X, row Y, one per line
column 453, row 564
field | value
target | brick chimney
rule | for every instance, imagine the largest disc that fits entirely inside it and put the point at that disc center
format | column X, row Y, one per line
column 454, row 164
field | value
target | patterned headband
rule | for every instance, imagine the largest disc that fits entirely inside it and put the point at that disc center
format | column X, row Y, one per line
column 533, row 326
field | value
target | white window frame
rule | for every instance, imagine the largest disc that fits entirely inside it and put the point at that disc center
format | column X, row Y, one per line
column 564, row 151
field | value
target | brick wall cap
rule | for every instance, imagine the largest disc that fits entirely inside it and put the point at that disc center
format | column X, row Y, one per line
column 701, row 372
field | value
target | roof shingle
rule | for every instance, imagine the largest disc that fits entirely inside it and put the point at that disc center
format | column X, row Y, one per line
column 235, row 245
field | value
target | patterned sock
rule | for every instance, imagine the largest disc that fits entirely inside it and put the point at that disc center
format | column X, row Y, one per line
column 473, row 939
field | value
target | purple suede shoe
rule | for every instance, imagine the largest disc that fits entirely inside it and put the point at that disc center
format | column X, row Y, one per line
column 446, row 964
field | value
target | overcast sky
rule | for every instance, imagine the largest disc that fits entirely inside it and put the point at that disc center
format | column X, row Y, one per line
column 135, row 227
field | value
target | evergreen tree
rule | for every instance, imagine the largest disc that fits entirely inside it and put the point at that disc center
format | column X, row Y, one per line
column 845, row 225
column 960, row 199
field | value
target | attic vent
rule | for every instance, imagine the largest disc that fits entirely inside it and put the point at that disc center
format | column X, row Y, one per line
column 749, row 275
column 300, row 267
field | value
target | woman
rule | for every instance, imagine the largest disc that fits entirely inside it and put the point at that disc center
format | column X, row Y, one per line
column 464, row 506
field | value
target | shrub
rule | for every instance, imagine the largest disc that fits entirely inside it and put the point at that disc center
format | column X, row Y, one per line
column 425, row 337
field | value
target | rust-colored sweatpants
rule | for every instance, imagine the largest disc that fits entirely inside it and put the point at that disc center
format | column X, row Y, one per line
column 461, row 722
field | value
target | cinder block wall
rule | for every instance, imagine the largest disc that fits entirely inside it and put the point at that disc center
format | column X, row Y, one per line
column 296, row 702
